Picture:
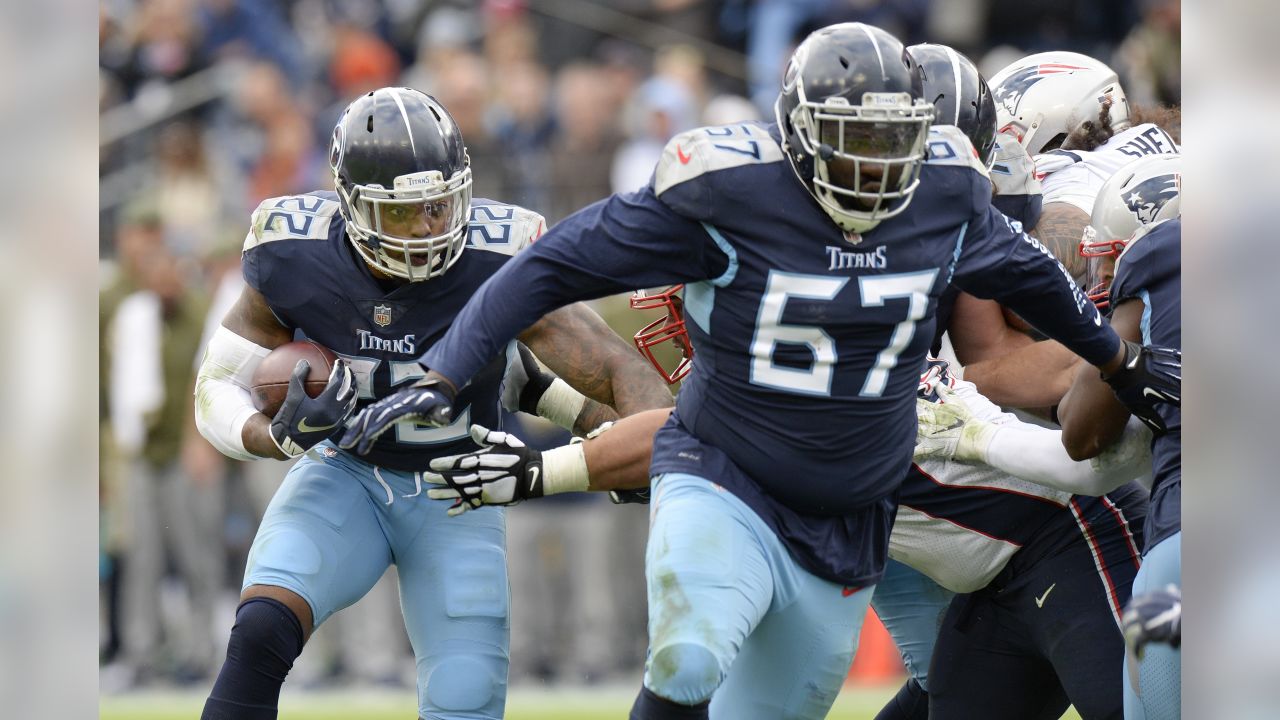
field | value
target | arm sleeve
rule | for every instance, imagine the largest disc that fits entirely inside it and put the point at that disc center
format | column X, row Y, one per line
column 1036, row 454
column 223, row 403
column 622, row 243
column 997, row 260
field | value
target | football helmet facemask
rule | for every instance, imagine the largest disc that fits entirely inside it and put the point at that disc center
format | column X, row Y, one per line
column 1136, row 198
column 403, row 180
column 854, row 123
column 668, row 328
column 1042, row 98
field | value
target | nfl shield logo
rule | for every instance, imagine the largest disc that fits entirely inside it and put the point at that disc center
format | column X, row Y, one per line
column 382, row 315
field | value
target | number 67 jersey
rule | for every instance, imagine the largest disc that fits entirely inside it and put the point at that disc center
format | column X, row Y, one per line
column 810, row 341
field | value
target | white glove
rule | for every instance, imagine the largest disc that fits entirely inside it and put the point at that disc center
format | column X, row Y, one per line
column 504, row 472
column 948, row 430
column 1013, row 172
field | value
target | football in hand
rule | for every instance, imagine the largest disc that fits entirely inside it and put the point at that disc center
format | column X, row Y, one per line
column 271, row 379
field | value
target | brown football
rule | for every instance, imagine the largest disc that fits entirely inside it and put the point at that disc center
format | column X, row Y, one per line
column 271, row 379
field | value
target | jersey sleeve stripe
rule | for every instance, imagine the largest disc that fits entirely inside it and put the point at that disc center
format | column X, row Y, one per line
column 955, row 256
column 730, row 272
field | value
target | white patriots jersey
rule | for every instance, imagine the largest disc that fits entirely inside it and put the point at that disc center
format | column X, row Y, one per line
column 952, row 548
column 1076, row 176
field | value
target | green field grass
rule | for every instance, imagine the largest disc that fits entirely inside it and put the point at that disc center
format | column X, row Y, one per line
column 855, row 703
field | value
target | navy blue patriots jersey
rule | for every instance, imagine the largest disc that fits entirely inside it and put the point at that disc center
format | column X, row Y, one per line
column 810, row 341
column 298, row 256
column 1150, row 270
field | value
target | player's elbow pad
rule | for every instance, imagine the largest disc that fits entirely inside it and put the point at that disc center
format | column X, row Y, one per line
column 223, row 403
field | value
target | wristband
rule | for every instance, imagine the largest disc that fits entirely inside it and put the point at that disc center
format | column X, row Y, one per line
column 564, row 470
column 561, row 404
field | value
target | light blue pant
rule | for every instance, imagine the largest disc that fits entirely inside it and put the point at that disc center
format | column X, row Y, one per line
column 730, row 609
column 337, row 523
column 911, row 606
column 1160, row 672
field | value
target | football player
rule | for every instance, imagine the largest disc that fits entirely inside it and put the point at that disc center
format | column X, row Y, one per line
column 1006, row 545
column 814, row 249
column 377, row 272
column 1070, row 112
column 1135, row 236
column 1145, row 299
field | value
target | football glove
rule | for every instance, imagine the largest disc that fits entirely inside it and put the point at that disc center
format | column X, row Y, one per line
column 525, row 384
column 947, row 429
column 428, row 401
column 639, row 496
column 302, row 421
column 503, row 472
column 1153, row 617
column 1148, row 377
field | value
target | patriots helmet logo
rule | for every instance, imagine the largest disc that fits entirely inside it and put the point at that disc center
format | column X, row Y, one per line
column 1148, row 197
column 1010, row 92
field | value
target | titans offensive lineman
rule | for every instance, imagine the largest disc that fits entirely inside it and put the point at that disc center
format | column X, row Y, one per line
column 377, row 273
column 812, row 278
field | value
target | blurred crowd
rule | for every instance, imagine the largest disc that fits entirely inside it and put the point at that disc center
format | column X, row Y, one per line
column 208, row 107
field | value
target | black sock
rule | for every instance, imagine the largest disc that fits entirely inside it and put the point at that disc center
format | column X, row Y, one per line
column 911, row 703
column 265, row 641
column 651, row 707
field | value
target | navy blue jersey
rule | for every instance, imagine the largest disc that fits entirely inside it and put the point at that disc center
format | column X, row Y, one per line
column 810, row 341
column 1150, row 270
column 298, row 256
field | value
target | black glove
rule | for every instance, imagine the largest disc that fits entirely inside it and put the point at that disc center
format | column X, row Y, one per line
column 525, row 383
column 1148, row 376
column 504, row 472
column 428, row 401
column 1153, row 617
column 302, row 421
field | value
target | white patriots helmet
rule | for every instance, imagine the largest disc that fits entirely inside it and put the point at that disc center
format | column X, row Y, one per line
column 1139, row 195
column 1042, row 98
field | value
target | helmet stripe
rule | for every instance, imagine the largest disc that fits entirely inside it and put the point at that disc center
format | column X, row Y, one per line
column 395, row 93
column 955, row 74
column 876, row 45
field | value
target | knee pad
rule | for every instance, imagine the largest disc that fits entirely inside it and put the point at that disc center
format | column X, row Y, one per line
column 265, row 640
column 462, row 684
column 685, row 673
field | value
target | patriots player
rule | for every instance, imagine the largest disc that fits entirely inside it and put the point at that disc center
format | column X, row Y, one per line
column 814, row 250
column 377, row 272
column 1145, row 298
column 1070, row 111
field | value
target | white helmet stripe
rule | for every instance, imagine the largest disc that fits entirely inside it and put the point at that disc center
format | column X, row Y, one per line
column 955, row 74
column 395, row 93
column 876, row 45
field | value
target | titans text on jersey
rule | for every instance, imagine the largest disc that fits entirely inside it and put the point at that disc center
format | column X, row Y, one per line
column 297, row 255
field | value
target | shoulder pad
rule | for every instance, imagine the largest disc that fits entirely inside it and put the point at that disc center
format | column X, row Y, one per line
column 696, row 152
column 947, row 145
column 505, row 229
column 291, row 217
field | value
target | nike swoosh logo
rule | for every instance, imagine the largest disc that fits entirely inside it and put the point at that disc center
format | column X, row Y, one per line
column 1040, row 600
column 534, row 472
column 1148, row 392
column 304, row 427
column 684, row 159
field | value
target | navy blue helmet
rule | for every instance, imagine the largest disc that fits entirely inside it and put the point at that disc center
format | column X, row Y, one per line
column 403, row 181
column 854, row 122
column 959, row 94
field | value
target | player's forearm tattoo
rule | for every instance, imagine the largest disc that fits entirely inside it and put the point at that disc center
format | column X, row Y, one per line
column 593, row 415
column 1059, row 230
column 578, row 346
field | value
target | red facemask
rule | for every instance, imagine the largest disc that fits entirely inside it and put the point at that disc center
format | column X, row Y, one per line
column 670, row 328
